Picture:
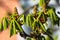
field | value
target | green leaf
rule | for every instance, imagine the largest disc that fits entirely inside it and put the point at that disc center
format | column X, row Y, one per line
column 41, row 2
column 56, row 37
column 28, row 38
column 27, row 20
column 21, row 16
column 31, row 20
column 14, row 27
column 5, row 23
column 43, row 38
column 42, row 26
column 18, row 25
column 11, row 28
column 1, row 26
column 39, row 15
column 34, row 24
column 47, row 38
column 54, row 15
column 51, row 16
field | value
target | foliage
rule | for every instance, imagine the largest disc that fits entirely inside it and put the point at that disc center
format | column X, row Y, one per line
column 35, row 20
